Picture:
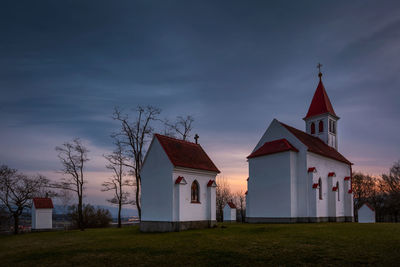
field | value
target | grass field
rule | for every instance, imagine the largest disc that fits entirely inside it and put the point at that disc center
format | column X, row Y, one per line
column 229, row 244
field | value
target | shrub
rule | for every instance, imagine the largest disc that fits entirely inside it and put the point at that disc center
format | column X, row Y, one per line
column 93, row 217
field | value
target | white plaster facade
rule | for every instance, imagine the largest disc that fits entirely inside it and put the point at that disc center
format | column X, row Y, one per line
column 366, row 214
column 280, row 188
column 166, row 203
column 229, row 214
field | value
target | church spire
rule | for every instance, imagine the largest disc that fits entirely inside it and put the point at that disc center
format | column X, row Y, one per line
column 320, row 103
column 321, row 119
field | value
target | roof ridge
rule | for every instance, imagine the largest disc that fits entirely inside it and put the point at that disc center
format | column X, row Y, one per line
column 176, row 139
column 316, row 139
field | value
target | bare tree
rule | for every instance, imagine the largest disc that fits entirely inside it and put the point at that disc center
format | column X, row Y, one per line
column 73, row 156
column 240, row 202
column 133, row 135
column 223, row 195
column 182, row 126
column 17, row 191
column 116, row 162
column 391, row 186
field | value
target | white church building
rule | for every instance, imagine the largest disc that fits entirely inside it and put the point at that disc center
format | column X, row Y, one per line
column 297, row 176
column 178, row 186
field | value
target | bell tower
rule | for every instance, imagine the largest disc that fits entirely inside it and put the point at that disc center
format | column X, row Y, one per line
column 321, row 119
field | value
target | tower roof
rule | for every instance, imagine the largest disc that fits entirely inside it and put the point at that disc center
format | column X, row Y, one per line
column 320, row 103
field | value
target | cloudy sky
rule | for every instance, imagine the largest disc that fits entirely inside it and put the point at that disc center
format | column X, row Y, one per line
column 233, row 65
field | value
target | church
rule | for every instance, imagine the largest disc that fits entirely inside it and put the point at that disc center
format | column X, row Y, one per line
column 178, row 186
column 299, row 176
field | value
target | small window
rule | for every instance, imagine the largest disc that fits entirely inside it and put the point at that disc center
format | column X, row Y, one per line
column 320, row 188
column 312, row 128
column 195, row 192
column 321, row 126
column 338, row 192
column 332, row 126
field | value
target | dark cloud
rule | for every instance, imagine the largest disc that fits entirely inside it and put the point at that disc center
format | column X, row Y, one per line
column 234, row 65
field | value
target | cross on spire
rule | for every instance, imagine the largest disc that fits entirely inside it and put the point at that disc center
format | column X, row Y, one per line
column 319, row 70
column 196, row 137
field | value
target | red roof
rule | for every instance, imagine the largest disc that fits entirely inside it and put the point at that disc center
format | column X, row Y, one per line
column 311, row 169
column 179, row 180
column 231, row 205
column 320, row 103
column 316, row 145
column 369, row 206
column 186, row 154
column 331, row 174
column 43, row 203
column 272, row 147
column 211, row 183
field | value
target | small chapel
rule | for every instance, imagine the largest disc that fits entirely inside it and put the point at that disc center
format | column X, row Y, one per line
column 178, row 186
column 300, row 176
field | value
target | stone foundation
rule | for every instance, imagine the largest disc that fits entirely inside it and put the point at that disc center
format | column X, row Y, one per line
column 298, row 219
column 157, row 226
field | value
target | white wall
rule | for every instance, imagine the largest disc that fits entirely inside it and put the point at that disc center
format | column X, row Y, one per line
column 157, row 185
column 294, row 173
column 366, row 215
column 205, row 210
column 229, row 214
column 269, row 186
column 42, row 218
column 330, row 205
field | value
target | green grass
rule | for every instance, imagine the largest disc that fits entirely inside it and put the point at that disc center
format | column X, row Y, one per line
column 237, row 244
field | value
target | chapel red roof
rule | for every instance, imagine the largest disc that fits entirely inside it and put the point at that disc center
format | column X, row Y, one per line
column 272, row 147
column 231, row 205
column 320, row 104
column 211, row 183
column 369, row 206
column 43, row 203
column 186, row 154
column 179, row 179
column 316, row 145
column 312, row 169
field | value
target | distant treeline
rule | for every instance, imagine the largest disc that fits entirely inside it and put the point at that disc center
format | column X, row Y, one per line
column 382, row 193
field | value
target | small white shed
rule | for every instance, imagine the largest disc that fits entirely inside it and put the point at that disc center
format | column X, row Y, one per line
column 230, row 212
column 366, row 214
column 42, row 213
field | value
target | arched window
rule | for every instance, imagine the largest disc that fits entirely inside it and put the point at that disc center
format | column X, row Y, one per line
column 195, row 192
column 312, row 128
column 320, row 188
column 321, row 126
column 338, row 192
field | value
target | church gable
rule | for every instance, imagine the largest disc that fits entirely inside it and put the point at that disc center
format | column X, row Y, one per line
column 273, row 147
column 275, row 132
column 316, row 145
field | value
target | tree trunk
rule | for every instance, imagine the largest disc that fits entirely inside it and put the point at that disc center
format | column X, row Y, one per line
column 16, row 224
column 80, row 214
column 119, row 214
column 137, row 197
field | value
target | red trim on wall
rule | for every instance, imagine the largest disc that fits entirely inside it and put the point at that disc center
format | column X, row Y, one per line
column 312, row 169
